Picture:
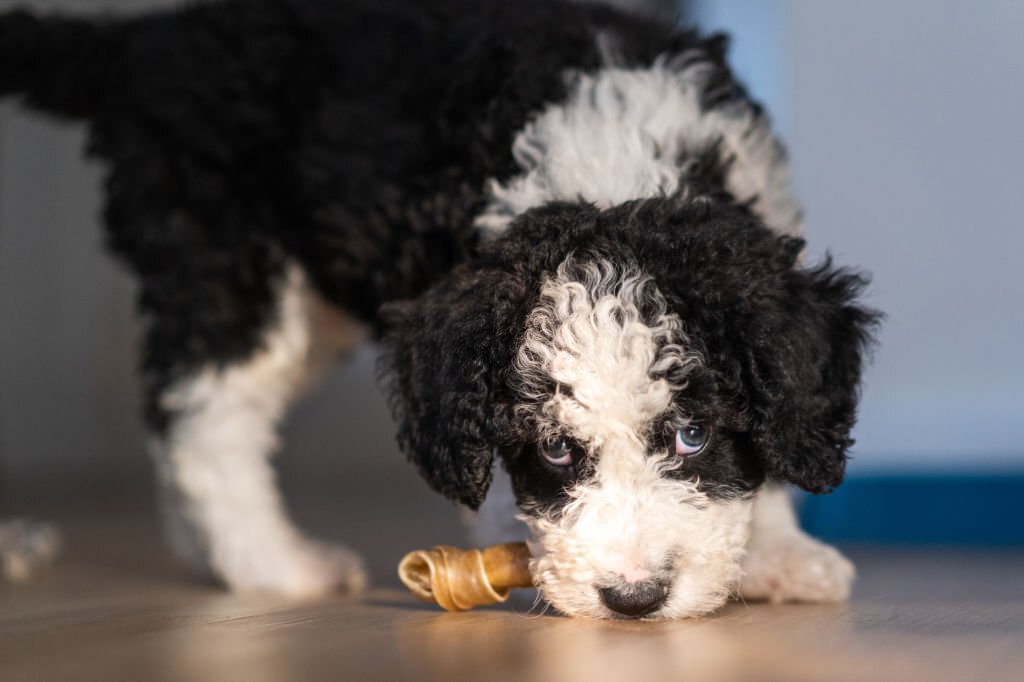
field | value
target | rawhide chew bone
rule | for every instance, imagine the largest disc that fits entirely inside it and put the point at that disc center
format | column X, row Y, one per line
column 460, row 579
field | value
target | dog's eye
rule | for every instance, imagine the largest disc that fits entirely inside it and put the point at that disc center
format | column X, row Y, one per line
column 561, row 452
column 691, row 439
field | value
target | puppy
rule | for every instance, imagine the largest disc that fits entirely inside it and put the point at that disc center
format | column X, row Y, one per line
column 571, row 230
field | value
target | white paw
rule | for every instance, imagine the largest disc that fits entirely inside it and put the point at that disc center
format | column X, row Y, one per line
column 26, row 547
column 795, row 567
column 299, row 568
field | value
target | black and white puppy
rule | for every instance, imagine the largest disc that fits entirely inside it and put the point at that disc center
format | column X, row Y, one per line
column 572, row 230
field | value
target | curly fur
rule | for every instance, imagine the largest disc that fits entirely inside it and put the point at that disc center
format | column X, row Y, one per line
column 629, row 133
column 597, row 354
column 634, row 524
column 557, row 219
column 600, row 361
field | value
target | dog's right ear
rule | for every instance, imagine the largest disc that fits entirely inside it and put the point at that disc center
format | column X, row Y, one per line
column 443, row 367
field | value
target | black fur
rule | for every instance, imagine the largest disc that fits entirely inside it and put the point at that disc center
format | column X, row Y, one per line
column 351, row 136
column 447, row 358
column 355, row 137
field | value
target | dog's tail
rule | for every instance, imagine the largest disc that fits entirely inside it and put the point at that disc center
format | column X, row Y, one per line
column 64, row 66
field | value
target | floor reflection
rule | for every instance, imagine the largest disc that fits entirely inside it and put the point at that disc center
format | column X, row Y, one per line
column 467, row 646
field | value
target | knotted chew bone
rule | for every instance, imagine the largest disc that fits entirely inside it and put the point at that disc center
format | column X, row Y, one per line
column 460, row 579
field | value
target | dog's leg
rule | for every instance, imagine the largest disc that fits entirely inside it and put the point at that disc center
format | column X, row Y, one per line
column 221, row 506
column 26, row 547
column 785, row 564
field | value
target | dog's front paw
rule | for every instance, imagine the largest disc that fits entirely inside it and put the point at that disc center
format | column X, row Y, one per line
column 299, row 568
column 795, row 567
column 26, row 547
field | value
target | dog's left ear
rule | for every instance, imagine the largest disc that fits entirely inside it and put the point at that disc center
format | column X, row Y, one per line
column 805, row 368
column 443, row 367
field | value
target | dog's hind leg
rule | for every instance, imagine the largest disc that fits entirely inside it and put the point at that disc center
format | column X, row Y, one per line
column 221, row 505
column 783, row 563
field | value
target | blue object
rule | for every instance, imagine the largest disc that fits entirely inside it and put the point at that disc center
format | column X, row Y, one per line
column 977, row 510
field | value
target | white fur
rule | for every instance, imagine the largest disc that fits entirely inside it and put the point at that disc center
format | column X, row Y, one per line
column 222, row 507
column 588, row 334
column 785, row 564
column 621, row 135
column 26, row 548
column 629, row 521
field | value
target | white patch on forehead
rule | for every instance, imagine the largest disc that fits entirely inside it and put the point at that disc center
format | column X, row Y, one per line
column 623, row 134
column 606, row 339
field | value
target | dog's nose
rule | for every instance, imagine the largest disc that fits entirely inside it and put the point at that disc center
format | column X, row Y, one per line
column 636, row 600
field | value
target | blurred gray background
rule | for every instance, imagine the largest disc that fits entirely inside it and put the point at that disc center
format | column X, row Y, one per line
column 904, row 125
column 903, row 121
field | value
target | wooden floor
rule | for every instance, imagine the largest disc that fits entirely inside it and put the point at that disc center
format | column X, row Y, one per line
column 115, row 608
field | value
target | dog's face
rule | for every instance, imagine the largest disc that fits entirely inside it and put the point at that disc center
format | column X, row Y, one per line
column 640, row 372
column 631, row 479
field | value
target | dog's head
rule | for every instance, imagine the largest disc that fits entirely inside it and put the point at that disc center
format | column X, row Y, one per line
column 639, row 371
